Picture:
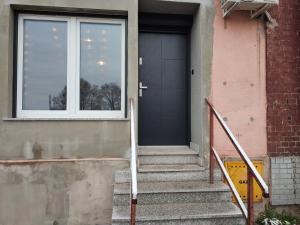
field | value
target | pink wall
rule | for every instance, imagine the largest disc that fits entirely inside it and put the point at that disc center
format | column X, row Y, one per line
column 239, row 82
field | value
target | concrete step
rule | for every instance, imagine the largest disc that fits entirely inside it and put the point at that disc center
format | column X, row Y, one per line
column 124, row 176
column 173, row 192
column 185, row 156
column 199, row 174
column 181, row 214
column 167, row 155
column 163, row 148
column 170, row 168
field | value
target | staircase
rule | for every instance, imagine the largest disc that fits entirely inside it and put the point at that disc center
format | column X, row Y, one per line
column 173, row 189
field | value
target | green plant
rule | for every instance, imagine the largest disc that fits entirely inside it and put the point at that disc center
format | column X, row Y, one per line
column 271, row 217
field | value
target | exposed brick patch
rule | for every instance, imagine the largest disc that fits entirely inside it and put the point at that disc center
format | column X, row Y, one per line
column 283, row 80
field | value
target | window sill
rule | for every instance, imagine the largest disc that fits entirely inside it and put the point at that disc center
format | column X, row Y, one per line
column 65, row 119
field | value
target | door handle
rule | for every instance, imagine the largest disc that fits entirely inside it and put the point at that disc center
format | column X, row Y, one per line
column 141, row 87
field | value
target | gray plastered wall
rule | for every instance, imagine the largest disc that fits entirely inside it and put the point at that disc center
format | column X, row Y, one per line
column 61, row 193
column 201, row 59
column 58, row 193
column 56, row 138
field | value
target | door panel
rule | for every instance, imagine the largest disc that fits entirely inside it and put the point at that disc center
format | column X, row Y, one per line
column 163, row 118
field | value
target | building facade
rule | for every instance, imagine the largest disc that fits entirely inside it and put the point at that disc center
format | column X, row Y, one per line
column 69, row 68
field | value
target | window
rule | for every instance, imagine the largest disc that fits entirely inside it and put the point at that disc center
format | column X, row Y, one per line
column 70, row 67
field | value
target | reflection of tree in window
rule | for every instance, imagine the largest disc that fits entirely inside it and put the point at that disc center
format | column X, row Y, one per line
column 58, row 102
column 107, row 97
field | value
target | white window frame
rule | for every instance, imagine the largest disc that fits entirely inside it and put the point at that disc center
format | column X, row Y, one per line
column 73, row 71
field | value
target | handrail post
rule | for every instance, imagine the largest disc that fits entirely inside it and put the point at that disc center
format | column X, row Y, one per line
column 250, row 177
column 132, row 211
column 211, row 145
column 133, row 167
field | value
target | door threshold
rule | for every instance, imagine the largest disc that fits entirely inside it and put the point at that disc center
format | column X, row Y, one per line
column 164, row 146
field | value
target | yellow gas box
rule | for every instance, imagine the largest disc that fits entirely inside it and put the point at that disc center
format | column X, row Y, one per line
column 237, row 171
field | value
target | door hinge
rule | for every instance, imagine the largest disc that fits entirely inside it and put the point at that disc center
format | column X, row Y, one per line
column 140, row 61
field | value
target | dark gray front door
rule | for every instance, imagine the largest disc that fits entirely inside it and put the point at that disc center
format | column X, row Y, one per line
column 163, row 105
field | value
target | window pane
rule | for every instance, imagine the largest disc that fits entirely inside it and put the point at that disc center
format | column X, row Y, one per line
column 100, row 66
column 44, row 65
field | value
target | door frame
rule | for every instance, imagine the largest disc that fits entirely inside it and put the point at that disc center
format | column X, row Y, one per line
column 171, row 24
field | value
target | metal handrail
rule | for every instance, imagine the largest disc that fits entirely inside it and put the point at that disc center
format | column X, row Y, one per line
column 231, row 184
column 251, row 170
column 241, row 152
column 133, row 164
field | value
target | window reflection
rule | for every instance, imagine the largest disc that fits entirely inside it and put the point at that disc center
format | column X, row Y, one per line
column 100, row 66
column 60, row 101
column 93, row 97
column 44, row 65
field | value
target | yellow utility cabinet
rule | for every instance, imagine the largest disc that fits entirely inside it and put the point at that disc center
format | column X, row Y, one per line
column 237, row 171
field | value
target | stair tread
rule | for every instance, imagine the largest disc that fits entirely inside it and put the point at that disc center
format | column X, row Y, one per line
column 157, row 151
column 172, row 186
column 170, row 168
column 178, row 211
